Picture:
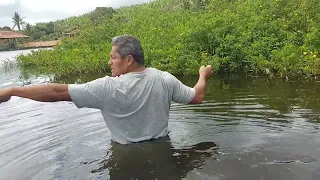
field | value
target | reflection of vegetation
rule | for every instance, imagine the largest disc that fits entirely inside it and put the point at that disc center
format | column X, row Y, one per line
column 273, row 100
column 8, row 65
column 272, row 37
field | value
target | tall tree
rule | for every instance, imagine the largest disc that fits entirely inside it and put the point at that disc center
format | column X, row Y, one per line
column 17, row 20
column 28, row 29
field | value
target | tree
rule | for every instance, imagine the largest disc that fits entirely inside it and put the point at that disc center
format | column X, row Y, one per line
column 50, row 28
column 198, row 4
column 28, row 29
column 5, row 28
column 17, row 20
column 101, row 13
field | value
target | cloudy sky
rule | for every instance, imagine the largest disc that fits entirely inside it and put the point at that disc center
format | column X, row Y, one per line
column 49, row 10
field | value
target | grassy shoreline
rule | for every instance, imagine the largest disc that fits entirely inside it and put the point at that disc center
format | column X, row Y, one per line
column 276, row 38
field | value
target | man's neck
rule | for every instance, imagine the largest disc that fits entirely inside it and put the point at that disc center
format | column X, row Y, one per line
column 137, row 68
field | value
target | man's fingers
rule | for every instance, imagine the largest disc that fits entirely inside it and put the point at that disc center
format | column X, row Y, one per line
column 209, row 67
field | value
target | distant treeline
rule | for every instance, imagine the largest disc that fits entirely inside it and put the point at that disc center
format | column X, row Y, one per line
column 66, row 27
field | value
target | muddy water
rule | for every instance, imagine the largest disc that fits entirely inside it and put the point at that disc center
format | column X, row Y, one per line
column 247, row 128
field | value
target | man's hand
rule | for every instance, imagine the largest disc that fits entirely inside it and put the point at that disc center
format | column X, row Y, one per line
column 205, row 71
column 5, row 95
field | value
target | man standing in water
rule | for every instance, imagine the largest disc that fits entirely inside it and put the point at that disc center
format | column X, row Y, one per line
column 135, row 101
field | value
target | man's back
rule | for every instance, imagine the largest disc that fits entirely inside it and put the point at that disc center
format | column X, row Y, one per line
column 135, row 105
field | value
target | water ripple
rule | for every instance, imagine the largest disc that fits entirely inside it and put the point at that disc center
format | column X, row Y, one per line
column 238, row 130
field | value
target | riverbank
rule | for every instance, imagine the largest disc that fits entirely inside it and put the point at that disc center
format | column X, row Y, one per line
column 34, row 45
column 40, row 44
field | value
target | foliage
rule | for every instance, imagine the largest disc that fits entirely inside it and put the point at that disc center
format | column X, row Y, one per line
column 17, row 21
column 5, row 28
column 271, row 37
column 55, row 30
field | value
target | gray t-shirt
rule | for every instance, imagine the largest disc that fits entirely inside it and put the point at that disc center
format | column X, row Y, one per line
column 136, row 105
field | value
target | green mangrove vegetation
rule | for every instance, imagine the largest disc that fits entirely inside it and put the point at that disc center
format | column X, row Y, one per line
column 278, row 38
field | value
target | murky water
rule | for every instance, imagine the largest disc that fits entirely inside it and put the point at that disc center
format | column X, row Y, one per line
column 247, row 128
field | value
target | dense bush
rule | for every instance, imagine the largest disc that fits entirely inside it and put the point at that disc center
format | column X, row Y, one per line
column 271, row 37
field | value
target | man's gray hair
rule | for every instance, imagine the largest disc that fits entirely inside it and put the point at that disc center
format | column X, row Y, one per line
column 129, row 45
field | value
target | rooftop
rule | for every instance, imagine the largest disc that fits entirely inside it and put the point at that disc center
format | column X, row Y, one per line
column 11, row 35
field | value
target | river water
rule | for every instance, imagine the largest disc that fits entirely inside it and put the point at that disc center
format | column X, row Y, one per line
column 247, row 128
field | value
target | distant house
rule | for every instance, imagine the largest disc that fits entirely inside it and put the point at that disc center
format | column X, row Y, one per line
column 9, row 39
column 71, row 34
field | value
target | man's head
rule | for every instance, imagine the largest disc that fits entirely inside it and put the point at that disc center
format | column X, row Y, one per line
column 126, row 54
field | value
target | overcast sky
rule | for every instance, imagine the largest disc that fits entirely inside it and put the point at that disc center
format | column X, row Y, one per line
column 50, row 10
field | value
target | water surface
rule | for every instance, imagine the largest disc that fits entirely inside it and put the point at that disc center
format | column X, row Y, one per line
column 247, row 128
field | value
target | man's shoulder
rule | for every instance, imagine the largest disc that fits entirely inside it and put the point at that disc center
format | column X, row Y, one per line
column 161, row 72
column 149, row 72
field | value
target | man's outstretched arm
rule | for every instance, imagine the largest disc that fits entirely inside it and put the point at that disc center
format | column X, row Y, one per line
column 44, row 93
column 200, row 87
column 195, row 95
column 93, row 94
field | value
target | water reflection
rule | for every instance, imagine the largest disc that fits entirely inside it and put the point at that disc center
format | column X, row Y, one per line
column 271, row 99
column 12, row 76
column 156, row 159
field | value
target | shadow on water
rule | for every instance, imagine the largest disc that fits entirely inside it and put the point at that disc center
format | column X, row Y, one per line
column 156, row 159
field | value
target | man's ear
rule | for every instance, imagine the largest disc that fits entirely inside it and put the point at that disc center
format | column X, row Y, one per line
column 130, row 60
